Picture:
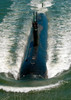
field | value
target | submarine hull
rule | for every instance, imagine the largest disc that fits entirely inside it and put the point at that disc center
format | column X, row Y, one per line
column 35, row 61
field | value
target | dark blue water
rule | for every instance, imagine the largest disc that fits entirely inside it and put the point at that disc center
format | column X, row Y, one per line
column 15, row 25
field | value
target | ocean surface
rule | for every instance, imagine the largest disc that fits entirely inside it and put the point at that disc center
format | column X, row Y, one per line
column 15, row 25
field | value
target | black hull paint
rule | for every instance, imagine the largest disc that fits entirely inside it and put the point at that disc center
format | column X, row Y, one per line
column 35, row 61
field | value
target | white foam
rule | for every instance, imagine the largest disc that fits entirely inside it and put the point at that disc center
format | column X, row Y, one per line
column 59, row 36
column 47, row 3
column 8, row 27
column 28, row 89
column 38, row 5
column 7, row 37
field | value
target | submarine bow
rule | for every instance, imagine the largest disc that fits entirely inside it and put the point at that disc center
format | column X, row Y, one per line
column 35, row 61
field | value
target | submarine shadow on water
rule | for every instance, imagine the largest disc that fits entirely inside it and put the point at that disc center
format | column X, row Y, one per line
column 34, row 60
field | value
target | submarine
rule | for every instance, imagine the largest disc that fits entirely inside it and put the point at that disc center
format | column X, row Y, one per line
column 34, row 62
